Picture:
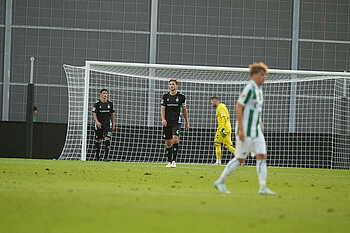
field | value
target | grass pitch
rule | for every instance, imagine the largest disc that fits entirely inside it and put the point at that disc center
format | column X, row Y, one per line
column 73, row 196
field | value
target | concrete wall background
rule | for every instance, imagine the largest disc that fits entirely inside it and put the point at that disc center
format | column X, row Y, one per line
column 205, row 32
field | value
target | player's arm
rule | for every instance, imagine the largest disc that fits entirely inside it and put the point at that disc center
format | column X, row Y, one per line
column 162, row 113
column 223, row 120
column 112, row 117
column 239, row 116
column 185, row 113
column 94, row 116
column 243, row 99
column 113, row 121
column 222, row 126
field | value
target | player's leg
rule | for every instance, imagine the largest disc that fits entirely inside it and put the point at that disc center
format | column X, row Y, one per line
column 97, row 147
column 107, row 144
column 218, row 153
column 175, row 147
column 217, row 143
column 98, row 142
column 231, row 149
column 259, row 148
column 228, row 143
column 229, row 169
column 107, row 133
column 167, row 134
column 241, row 155
column 169, row 150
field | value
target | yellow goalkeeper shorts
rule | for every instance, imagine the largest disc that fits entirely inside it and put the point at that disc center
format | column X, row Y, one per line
column 224, row 140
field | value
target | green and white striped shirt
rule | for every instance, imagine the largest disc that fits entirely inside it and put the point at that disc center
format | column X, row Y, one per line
column 252, row 99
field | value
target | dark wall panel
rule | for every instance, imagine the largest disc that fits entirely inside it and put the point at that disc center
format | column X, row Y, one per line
column 324, row 56
column 193, row 50
column 225, row 33
column 327, row 20
column 92, row 14
column 245, row 18
column 48, row 140
column 53, row 48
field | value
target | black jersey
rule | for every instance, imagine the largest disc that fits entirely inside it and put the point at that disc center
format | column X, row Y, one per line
column 173, row 105
column 103, row 111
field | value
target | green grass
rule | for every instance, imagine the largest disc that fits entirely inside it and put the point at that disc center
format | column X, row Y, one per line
column 73, row 196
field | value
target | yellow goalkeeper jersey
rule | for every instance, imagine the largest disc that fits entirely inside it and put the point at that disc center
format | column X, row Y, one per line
column 223, row 117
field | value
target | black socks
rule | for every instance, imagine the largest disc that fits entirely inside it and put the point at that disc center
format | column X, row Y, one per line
column 172, row 152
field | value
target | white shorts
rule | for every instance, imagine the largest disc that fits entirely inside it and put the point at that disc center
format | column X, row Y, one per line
column 253, row 145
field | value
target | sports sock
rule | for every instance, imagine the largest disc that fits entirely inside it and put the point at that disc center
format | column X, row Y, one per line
column 231, row 167
column 175, row 150
column 218, row 151
column 231, row 149
column 261, row 169
column 169, row 153
column 107, row 143
column 97, row 147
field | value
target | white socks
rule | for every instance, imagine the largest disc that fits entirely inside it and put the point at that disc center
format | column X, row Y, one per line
column 261, row 169
column 231, row 167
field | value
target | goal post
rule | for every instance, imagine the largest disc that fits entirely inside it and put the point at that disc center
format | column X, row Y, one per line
column 305, row 113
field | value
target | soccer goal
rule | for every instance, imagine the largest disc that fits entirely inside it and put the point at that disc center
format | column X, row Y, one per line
column 306, row 113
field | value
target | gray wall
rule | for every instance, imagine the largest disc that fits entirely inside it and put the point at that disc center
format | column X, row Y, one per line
column 195, row 32
column 325, row 35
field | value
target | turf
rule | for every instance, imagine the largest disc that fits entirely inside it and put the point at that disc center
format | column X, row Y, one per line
column 73, row 196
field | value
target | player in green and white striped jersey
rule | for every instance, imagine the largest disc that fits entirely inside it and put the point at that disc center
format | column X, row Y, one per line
column 251, row 99
column 249, row 135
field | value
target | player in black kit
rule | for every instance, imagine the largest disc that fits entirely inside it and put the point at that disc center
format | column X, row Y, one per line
column 103, row 115
column 172, row 104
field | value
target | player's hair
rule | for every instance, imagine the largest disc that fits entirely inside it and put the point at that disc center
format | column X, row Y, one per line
column 214, row 98
column 174, row 80
column 104, row 89
column 257, row 67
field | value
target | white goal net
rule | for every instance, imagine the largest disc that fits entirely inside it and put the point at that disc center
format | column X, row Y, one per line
column 305, row 113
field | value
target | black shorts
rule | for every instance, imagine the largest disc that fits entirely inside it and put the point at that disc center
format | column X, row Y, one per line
column 104, row 132
column 171, row 130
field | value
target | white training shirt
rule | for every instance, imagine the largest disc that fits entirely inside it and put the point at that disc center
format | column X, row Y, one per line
column 252, row 99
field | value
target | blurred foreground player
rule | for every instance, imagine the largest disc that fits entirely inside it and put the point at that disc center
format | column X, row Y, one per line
column 249, row 133
column 224, row 131
column 103, row 115
column 171, row 105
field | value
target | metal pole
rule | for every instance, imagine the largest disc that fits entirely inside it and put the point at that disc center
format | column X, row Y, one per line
column 7, row 62
column 29, row 117
column 295, row 34
column 85, row 111
column 31, row 70
column 153, row 33
column 152, row 60
column 294, row 65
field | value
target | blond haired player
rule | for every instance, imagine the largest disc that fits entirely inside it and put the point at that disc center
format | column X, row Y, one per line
column 249, row 135
column 223, row 133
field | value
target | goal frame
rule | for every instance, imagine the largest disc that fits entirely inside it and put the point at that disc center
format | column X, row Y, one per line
column 88, row 65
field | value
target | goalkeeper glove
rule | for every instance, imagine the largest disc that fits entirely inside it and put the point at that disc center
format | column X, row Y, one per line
column 223, row 133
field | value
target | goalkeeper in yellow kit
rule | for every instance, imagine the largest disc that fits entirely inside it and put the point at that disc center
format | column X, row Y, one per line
column 224, row 131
